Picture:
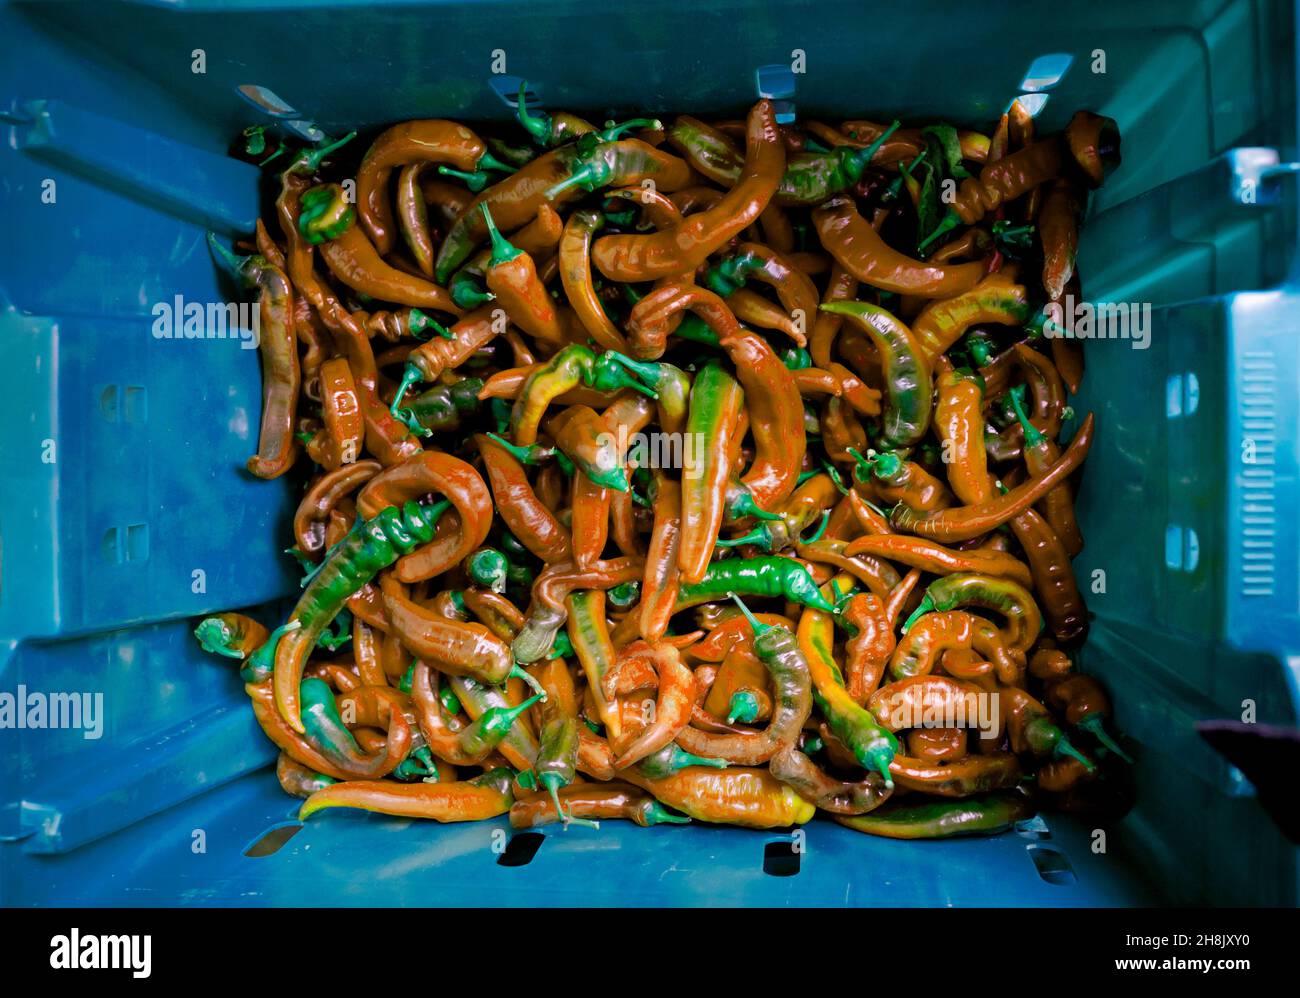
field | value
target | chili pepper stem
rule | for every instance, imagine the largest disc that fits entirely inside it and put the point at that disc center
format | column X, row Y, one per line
column 502, row 250
column 1095, row 726
column 1063, row 747
column 826, row 519
column 863, row 158
column 657, row 814
column 517, row 673
column 538, row 126
column 758, row 626
column 475, row 181
column 214, row 637
column 924, row 607
column 611, row 131
column 1033, row 437
column 743, row 708
column 950, row 221
column 410, row 375
column 532, row 454
column 552, row 783
column 760, row 535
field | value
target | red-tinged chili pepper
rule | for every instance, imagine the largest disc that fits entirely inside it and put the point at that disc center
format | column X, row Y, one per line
column 866, row 653
column 794, row 289
column 451, row 740
column 797, row 771
column 860, row 250
column 966, row 522
column 905, row 367
column 730, row 629
column 612, row 162
column 374, row 709
column 778, row 650
column 1086, row 706
column 483, row 797
column 512, row 277
column 750, row 798
column 974, row 774
column 842, row 432
column 894, row 480
column 575, row 275
column 589, row 636
column 936, row 744
column 1063, row 606
column 593, row 803
column 345, row 427
column 552, row 590
column 813, row 381
column 1049, row 663
column 997, row 299
column 740, row 691
column 557, row 757
column 928, row 702
column 871, row 745
column 429, row 141
column 624, row 524
column 913, row 819
column 715, row 404
column 676, row 694
column 433, row 472
column 1090, row 144
column 1030, row 728
column 526, row 516
column 590, row 521
column 413, row 218
column 231, row 634
column 326, row 220
column 1058, row 228
column 1008, row 598
column 1040, row 452
column 934, row 633
column 767, row 575
column 278, row 347
column 842, row 286
column 688, row 244
column 872, row 521
column 1060, row 775
column 877, row 575
column 454, row 647
column 298, row 780
column 931, row 557
column 662, row 577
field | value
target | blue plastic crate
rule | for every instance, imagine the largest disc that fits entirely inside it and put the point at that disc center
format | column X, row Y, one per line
column 124, row 510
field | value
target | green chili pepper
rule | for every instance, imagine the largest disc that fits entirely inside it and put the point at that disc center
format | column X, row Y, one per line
column 624, row 595
column 261, row 664
column 928, row 819
column 326, row 213
column 766, row 575
column 672, row 757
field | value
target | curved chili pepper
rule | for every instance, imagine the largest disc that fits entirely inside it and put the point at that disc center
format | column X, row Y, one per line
column 485, row 796
column 751, row 798
column 715, row 404
column 761, row 576
column 433, row 472
column 740, row 691
column 1086, row 706
column 278, row 348
column 1063, row 606
column 231, row 634
column 575, row 276
column 1030, row 728
column 1006, row 597
column 524, row 514
column 1040, row 452
column 931, row 557
column 512, row 277
column 375, row 544
column 298, row 780
column 927, row 701
column 354, row 260
column 936, row 744
column 934, row 633
column 548, row 611
column 897, row 481
column 611, row 800
column 563, row 372
column 686, row 245
column 984, row 815
column 963, row 523
column 662, row 577
column 879, row 576
column 906, row 371
column 867, row 653
column 872, row 746
column 860, row 250
column 672, row 704
column 797, row 771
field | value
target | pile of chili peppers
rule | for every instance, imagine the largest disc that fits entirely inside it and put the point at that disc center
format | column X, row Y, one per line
column 837, row 333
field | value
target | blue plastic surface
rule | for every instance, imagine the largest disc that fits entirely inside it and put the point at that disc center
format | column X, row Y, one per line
column 125, row 512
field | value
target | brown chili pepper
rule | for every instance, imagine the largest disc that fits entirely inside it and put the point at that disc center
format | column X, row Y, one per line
column 936, row 745
column 972, row 775
column 877, row 575
column 866, row 653
column 995, row 299
column 662, row 579
column 590, row 520
column 932, row 557
column 689, row 243
column 324, row 494
column 934, row 633
column 967, row 522
column 575, row 275
column 859, row 249
column 928, row 701
column 1054, row 583
column 672, row 705
column 425, row 473
column 797, row 771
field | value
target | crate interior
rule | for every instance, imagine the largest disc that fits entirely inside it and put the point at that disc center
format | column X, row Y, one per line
column 144, row 520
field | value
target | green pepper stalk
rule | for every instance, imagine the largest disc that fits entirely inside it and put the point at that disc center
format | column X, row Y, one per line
column 326, row 214
column 1095, row 725
column 261, row 664
column 494, row 724
column 624, row 595
column 308, row 161
column 672, row 757
column 488, row 567
column 338, row 633
column 467, row 291
column 418, row 765
column 214, row 636
column 442, row 408
column 479, row 178
column 742, row 708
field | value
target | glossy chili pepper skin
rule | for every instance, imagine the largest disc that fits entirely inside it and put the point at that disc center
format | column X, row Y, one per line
column 1062, row 604
column 995, row 299
column 906, row 371
column 801, row 774
column 933, row 557
column 231, row 634
column 575, row 275
column 716, row 400
column 915, row 819
column 859, row 249
column 920, row 648
column 750, row 798
column 525, row 515
column 485, row 796
column 1012, row 600
column 966, row 522
column 375, row 545
column 872, row 745
column 761, row 576
column 688, row 244
column 867, row 652
column 512, row 277
column 675, row 696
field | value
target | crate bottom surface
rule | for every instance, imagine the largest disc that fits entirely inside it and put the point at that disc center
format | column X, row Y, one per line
column 197, row 854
